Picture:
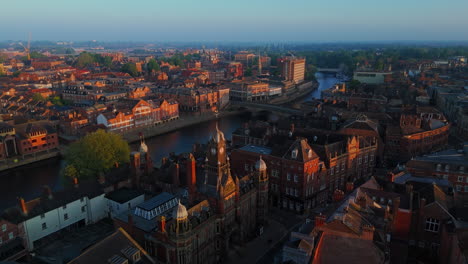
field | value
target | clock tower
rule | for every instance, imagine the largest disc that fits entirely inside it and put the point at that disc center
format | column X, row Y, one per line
column 218, row 181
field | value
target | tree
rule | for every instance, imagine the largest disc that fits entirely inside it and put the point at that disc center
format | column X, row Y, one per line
column 56, row 100
column 153, row 66
column 354, row 85
column 70, row 171
column 85, row 59
column 130, row 68
column 97, row 153
column 38, row 97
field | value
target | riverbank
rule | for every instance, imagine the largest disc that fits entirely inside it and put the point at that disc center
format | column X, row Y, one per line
column 296, row 94
column 21, row 161
column 183, row 121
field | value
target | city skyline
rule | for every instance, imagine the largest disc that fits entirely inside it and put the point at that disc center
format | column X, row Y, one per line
column 262, row 21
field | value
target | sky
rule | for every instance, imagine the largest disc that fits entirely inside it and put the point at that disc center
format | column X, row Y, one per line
column 235, row 20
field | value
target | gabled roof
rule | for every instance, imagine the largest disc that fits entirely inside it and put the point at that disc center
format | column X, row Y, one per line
column 300, row 151
column 117, row 244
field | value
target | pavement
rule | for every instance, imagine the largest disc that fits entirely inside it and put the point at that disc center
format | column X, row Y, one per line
column 67, row 245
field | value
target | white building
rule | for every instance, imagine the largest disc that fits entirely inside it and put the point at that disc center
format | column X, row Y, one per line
column 52, row 212
column 122, row 200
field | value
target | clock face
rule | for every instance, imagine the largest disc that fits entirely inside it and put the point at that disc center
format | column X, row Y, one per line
column 213, row 151
column 221, row 150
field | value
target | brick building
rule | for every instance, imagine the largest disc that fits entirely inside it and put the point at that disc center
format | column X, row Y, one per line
column 221, row 210
column 130, row 114
column 305, row 171
column 415, row 134
column 26, row 139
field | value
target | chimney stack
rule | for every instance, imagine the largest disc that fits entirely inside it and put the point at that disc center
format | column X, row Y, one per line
column 362, row 202
column 22, row 205
column 320, row 220
column 162, row 224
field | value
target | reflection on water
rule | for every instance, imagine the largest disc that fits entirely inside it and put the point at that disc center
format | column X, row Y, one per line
column 183, row 139
column 325, row 81
column 27, row 181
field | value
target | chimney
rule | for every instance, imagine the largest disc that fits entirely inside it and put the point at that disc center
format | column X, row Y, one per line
column 22, row 205
column 422, row 202
column 361, row 201
column 75, row 182
column 320, row 220
column 175, row 175
column 162, row 224
column 191, row 175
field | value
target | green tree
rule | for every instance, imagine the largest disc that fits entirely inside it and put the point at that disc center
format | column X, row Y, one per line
column 153, row 66
column 38, row 97
column 70, row 171
column 85, row 59
column 97, row 153
column 56, row 100
column 130, row 68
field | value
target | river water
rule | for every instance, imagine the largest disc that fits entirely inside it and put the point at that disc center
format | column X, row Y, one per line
column 27, row 181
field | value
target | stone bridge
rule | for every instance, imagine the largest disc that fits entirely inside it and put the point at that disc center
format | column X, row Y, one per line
column 267, row 107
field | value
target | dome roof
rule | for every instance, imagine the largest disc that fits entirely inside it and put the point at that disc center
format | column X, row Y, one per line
column 260, row 165
column 143, row 147
column 179, row 212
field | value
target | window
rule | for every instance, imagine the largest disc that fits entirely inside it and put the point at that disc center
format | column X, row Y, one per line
column 296, row 178
column 445, row 177
column 288, row 175
column 10, row 235
column 460, row 179
column 246, row 167
column 83, row 209
column 44, row 226
column 343, row 166
column 4, row 227
column 65, row 217
column 296, row 192
column 332, row 170
column 42, row 216
column 459, row 187
column 432, row 225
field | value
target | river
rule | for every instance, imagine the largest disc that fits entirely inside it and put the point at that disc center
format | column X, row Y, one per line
column 27, row 181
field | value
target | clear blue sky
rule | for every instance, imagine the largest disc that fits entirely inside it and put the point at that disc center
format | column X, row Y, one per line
column 234, row 20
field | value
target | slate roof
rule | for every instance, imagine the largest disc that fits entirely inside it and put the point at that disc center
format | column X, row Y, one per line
column 43, row 204
column 113, row 245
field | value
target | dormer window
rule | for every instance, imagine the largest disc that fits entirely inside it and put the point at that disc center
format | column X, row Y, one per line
column 294, row 153
column 447, row 167
column 439, row 167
